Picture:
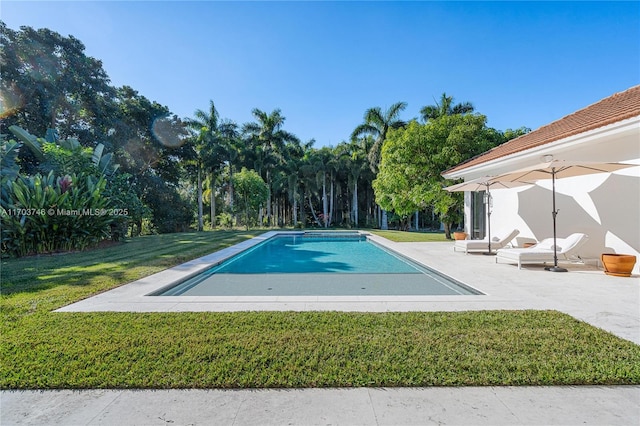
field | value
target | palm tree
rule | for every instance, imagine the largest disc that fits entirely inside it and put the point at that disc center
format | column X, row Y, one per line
column 445, row 107
column 377, row 124
column 205, row 127
column 271, row 139
column 230, row 147
column 294, row 153
column 353, row 159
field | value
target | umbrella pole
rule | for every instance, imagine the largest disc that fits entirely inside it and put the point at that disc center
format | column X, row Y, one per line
column 554, row 213
column 488, row 204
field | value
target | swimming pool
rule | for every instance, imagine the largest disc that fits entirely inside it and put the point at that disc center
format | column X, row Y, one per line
column 304, row 264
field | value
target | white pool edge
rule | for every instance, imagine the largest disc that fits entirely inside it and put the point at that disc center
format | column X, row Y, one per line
column 141, row 295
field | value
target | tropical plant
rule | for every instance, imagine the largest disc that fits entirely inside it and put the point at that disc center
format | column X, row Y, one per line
column 122, row 197
column 66, row 157
column 353, row 158
column 225, row 220
column 63, row 156
column 252, row 194
column 414, row 158
column 445, row 107
column 205, row 127
column 377, row 124
column 230, row 145
column 269, row 139
column 9, row 167
column 294, row 153
column 41, row 214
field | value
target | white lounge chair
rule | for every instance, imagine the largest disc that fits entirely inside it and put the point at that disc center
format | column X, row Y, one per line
column 483, row 245
column 566, row 249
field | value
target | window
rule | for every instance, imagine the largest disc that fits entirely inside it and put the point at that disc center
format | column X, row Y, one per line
column 478, row 215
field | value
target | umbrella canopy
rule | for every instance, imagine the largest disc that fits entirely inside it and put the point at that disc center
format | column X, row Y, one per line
column 485, row 183
column 557, row 169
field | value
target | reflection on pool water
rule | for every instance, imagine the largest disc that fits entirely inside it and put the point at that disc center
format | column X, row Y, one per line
column 343, row 263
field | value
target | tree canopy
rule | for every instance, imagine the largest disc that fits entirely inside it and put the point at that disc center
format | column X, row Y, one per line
column 413, row 159
column 252, row 193
column 170, row 167
column 445, row 107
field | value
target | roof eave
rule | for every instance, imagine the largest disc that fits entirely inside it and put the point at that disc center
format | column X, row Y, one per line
column 533, row 155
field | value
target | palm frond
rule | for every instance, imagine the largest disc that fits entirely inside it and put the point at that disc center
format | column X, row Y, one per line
column 393, row 112
column 374, row 116
column 363, row 129
column 463, row 108
column 398, row 124
column 445, row 107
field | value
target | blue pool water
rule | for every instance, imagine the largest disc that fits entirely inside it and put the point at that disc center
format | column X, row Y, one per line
column 310, row 264
column 292, row 254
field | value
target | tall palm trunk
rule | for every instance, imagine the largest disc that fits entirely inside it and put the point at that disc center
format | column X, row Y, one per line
column 295, row 206
column 331, row 201
column 269, row 198
column 303, row 217
column 230, row 187
column 213, row 203
column 313, row 212
column 325, row 210
column 200, row 224
column 355, row 203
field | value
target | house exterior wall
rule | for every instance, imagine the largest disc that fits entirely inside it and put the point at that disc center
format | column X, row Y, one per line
column 605, row 206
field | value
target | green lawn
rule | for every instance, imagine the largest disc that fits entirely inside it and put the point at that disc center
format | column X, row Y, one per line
column 411, row 237
column 41, row 349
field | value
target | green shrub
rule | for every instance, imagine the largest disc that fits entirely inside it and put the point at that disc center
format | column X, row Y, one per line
column 41, row 214
column 225, row 220
column 122, row 197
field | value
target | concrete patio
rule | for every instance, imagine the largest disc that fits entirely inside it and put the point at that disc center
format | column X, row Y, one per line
column 570, row 405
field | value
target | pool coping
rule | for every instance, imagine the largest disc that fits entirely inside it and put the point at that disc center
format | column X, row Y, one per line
column 138, row 296
column 314, row 280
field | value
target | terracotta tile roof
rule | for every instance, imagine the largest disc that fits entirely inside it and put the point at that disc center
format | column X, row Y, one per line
column 615, row 108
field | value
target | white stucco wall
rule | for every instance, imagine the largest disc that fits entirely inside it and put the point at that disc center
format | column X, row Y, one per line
column 605, row 206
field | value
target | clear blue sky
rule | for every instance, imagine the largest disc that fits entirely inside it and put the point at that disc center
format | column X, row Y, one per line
column 324, row 63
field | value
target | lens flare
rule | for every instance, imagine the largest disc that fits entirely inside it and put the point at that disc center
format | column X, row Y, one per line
column 10, row 101
column 168, row 133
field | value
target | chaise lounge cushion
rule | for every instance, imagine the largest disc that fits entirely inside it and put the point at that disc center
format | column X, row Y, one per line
column 566, row 248
column 483, row 245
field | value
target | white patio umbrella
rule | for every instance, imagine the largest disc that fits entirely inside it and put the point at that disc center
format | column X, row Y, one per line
column 484, row 184
column 557, row 169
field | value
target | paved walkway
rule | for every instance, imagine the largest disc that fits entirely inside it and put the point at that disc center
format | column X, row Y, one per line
column 585, row 292
column 583, row 405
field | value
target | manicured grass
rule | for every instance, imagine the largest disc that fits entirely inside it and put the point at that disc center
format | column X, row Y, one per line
column 52, row 281
column 43, row 349
column 276, row 349
column 411, row 237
